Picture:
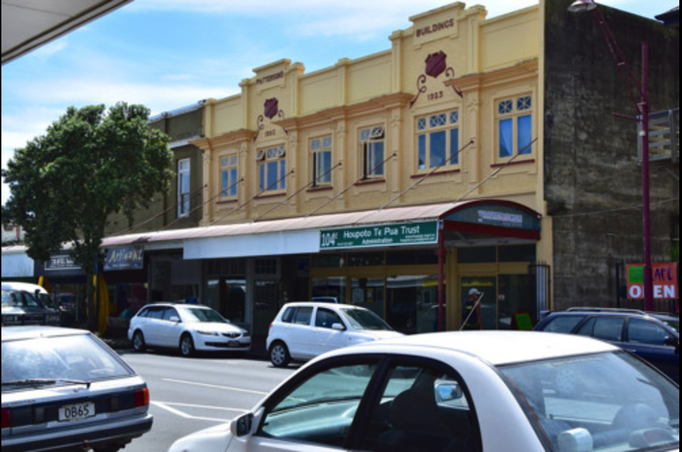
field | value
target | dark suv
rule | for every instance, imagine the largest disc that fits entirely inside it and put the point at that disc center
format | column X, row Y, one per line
column 652, row 336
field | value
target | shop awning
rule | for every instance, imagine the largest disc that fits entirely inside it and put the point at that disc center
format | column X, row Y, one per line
column 487, row 218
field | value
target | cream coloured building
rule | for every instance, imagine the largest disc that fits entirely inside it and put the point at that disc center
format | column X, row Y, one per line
column 441, row 131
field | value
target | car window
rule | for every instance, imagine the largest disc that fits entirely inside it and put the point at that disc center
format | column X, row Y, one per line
column 362, row 319
column 326, row 318
column 155, row 312
column 612, row 401
column 563, row 323
column 646, row 332
column 422, row 409
column 44, row 361
column 609, row 328
column 288, row 316
column 321, row 409
column 303, row 316
column 170, row 312
column 19, row 299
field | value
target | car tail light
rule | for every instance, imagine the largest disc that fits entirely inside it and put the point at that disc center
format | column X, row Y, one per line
column 6, row 418
column 142, row 397
column 271, row 325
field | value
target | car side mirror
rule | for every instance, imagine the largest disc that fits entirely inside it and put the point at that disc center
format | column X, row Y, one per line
column 338, row 327
column 242, row 426
column 672, row 342
column 447, row 392
column 175, row 319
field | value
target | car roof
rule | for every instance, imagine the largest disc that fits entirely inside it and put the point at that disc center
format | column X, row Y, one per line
column 494, row 347
column 14, row 333
column 320, row 304
column 170, row 304
column 26, row 287
column 615, row 312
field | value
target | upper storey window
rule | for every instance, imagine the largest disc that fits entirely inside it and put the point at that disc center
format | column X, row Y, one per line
column 438, row 140
column 373, row 144
column 228, row 176
column 321, row 154
column 272, row 169
column 515, row 126
column 183, row 187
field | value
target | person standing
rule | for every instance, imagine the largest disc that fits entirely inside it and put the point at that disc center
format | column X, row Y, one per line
column 471, row 311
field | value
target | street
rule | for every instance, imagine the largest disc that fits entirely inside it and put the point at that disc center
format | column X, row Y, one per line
column 191, row 394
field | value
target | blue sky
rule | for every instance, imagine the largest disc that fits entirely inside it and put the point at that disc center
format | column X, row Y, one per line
column 168, row 54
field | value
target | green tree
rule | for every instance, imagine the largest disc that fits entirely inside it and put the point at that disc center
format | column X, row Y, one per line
column 90, row 164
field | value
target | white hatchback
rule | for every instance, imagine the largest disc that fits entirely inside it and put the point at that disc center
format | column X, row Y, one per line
column 462, row 392
column 187, row 327
column 302, row 331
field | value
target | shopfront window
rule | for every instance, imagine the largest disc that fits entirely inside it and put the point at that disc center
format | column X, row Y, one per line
column 329, row 290
column 228, row 296
column 412, row 303
column 369, row 293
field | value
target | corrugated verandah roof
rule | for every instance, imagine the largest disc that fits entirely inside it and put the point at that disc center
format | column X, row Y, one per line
column 330, row 221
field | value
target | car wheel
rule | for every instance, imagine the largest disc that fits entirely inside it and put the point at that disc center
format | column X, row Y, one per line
column 186, row 345
column 279, row 355
column 138, row 342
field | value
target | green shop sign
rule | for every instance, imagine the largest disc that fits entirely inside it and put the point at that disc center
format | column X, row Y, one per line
column 381, row 235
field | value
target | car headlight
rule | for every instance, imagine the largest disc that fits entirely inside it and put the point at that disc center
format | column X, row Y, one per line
column 208, row 333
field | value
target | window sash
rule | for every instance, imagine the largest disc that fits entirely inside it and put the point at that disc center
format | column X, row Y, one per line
column 183, row 201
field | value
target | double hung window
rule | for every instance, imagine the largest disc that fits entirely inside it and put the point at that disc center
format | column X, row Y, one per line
column 272, row 169
column 438, row 140
column 373, row 143
column 228, row 176
column 515, row 126
column 183, row 187
column 321, row 152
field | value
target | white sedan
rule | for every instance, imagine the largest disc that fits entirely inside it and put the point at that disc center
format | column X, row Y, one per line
column 187, row 327
column 468, row 392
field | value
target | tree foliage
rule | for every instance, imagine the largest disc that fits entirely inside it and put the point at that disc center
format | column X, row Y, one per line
column 90, row 164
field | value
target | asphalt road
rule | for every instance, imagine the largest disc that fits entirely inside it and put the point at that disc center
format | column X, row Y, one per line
column 191, row 394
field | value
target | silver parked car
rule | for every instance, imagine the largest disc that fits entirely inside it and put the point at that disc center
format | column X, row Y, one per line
column 65, row 389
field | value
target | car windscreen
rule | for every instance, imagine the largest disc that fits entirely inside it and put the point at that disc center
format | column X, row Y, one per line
column 53, row 361
column 20, row 299
column 362, row 319
column 613, row 401
column 201, row 315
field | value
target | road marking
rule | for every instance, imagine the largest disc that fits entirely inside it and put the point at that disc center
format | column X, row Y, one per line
column 165, row 406
column 205, row 385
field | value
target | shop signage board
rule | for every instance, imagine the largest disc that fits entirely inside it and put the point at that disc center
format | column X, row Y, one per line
column 124, row 258
column 423, row 233
column 665, row 281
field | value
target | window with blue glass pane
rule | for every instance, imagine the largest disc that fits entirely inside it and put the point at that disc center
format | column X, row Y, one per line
column 506, row 138
column 438, row 144
column 228, row 170
column 321, row 151
column 515, row 126
column 525, row 134
column 505, row 107
column 272, row 171
column 372, row 145
column 421, row 164
column 454, row 146
column 437, row 149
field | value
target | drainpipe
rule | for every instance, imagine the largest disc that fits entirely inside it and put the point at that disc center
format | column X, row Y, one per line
column 441, row 277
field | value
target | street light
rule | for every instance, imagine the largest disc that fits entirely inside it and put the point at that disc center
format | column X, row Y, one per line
column 642, row 107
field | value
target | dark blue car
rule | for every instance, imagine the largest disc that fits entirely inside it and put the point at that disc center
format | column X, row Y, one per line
column 654, row 337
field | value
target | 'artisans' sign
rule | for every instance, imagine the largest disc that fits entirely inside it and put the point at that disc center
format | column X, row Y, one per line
column 383, row 235
column 124, row 258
